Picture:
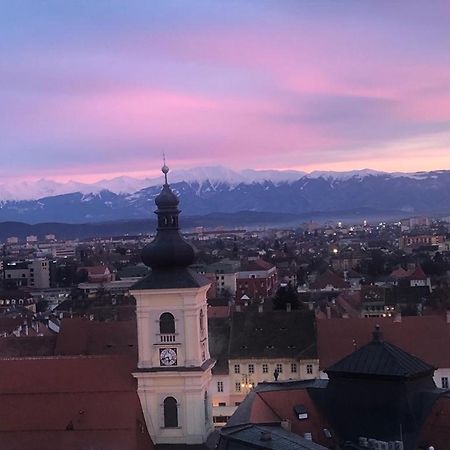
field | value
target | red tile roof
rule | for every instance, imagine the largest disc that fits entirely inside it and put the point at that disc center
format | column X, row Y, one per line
column 95, row 270
column 329, row 278
column 282, row 403
column 257, row 264
column 96, row 396
column 272, row 403
column 9, row 324
column 400, row 273
column 84, row 337
column 339, row 337
column 435, row 432
column 418, row 273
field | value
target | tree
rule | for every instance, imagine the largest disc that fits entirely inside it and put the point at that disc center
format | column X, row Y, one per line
column 284, row 295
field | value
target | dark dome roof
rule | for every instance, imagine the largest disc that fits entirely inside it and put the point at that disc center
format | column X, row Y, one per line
column 168, row 250
column 380, row 359
column 166, row 198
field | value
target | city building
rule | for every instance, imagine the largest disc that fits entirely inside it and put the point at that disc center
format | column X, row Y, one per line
column 34, row 273
column 377, row 397
column 256, row 281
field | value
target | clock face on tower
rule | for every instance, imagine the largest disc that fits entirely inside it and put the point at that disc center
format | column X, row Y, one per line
column 168, row 356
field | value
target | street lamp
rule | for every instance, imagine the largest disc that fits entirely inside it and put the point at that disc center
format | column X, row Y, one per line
column 246, row 383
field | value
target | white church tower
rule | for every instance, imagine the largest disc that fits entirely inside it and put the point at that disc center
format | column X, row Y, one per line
column 174, row 365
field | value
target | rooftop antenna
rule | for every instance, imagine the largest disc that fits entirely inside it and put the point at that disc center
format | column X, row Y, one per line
column 164, row 168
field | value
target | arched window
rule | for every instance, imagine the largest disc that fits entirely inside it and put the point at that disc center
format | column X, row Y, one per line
column 170, row 412
column 166, row 323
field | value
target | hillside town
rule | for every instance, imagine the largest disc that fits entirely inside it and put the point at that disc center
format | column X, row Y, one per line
column 289, row 317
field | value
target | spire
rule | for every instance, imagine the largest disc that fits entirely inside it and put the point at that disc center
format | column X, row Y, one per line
column 169, row 249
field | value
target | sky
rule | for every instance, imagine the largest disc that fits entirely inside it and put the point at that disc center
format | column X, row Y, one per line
column 93, row 89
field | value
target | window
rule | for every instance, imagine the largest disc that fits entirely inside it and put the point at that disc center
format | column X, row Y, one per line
column 265, row 368
column 237, row 368
column 166, row 323
column 170, row 413
column 309, row 369
column 251, row 368
column 293, row 368
column 444, row 382
column 220, row 386
column 237, row 403
column 301, row 412
column 279, row 368
column 237, row 387
column 222, row 403
column 220, row 419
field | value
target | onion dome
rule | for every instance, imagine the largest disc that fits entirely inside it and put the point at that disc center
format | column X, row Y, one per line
column 169, row 249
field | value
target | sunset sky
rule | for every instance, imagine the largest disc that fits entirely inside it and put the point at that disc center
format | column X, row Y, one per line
column 99, row 88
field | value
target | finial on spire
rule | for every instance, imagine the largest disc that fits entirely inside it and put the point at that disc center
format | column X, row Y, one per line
column 164, row 168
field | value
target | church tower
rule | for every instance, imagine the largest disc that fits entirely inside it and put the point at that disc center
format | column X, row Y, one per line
column 174, row 365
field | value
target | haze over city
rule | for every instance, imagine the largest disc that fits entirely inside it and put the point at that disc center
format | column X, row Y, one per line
column 93, row 90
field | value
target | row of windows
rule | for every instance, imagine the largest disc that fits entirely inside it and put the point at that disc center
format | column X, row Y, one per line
column 278, row 368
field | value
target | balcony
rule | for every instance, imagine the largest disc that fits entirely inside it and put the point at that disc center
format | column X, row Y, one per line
column 167, row 338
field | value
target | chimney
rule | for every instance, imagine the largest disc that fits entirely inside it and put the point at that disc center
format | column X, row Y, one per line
column 328, row 308
column 265, row 436
column 286, row 424
column 288, row 307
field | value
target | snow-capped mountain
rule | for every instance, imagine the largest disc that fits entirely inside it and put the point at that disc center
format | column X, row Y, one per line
column 32, row 190
column 291, row 193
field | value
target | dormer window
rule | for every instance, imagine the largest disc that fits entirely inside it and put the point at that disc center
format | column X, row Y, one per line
column 301, row 412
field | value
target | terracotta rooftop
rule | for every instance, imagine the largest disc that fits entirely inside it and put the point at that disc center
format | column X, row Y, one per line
column 337, row 338
column 271, row 403
column 70, row 403
column 257, row 264
column 380, row 359
column 84, row 337
column 329, row 278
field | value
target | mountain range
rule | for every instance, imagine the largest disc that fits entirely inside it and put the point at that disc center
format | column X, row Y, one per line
column 219, row 190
